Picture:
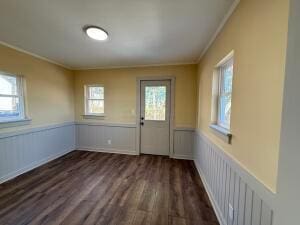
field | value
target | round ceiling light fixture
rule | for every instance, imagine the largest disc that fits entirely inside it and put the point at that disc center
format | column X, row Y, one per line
column 96, row 33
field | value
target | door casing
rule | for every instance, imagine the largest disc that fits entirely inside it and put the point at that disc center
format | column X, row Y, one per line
column 172, row 79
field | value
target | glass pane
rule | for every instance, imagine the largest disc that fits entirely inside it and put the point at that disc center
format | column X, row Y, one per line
column 8, row 85
column 227, row 78
column 96, row 106
column 96, row 92
column 224, row 111
column 9, row 108
column 155, row 103
column 225, row 94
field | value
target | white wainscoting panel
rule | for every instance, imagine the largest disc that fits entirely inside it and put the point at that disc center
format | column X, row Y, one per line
column 24, row 150
column 228, row 183
column 113, row 138
column 92, row 136
column 183, row 143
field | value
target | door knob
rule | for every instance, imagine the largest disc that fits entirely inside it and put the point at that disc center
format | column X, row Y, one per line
column 142, row 123
column 142, row 118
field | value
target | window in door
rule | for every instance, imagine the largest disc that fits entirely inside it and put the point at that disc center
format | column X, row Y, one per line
column 155, row 103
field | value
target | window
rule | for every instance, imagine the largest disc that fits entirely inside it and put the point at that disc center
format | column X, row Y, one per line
column 155, row 103
column 221, row 97
column 94, row 100
column 225, row 89
column 11, row 98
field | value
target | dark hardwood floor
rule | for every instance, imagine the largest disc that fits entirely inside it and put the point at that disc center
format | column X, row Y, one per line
column 97, row 188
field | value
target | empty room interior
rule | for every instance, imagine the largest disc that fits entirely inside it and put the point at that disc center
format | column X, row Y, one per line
column 158, row 112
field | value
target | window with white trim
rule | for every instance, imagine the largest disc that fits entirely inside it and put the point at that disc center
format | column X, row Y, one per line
column 225, row 75
column 94, row 100
column 11, row 98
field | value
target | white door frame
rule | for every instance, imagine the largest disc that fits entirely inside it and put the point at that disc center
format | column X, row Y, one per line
column 172, row 79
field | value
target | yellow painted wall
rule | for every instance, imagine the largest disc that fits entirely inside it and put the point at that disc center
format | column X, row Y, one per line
column 120, row 92
column 50, row 88
column 257, row 32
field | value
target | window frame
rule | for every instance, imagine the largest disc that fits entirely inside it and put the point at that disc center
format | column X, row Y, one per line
column 87, row 99
column 222, row 131
column 20, row 95
column 221, row 92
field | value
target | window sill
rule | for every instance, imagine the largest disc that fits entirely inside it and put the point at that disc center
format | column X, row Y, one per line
column 225, row 133
column 94, row 116
column 14, row 123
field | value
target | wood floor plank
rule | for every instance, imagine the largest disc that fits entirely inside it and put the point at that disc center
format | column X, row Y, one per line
column 18, row 201
column 176, row 190
column 89, row 188
column 50, row 196
column 177, row 221
column 141, row 218
column 149, row 193
column 160, row 214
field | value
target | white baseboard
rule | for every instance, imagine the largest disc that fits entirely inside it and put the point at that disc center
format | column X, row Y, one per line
column 125, row 152
column 211, row 197
column 186, row 157
column 107, row 150
column 32, row 166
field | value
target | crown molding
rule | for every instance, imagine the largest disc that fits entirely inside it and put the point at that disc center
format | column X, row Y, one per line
column 136, row 66
column 34, row 55
column 93, row 68
column 220, row 27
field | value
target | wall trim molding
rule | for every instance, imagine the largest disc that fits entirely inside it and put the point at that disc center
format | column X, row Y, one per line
column 93, row 68
column 210, row 195
column 184, row 129
column 136, row 66
column 220, row 28
column 34, row 55
column 104, row 124
column 35, row 129
column 184, row 157
column 15, row 123
column 262, row 190
column 32, row 166
column 127, row 125
column 107, row 150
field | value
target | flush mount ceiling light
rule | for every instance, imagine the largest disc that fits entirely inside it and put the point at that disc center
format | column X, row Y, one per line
column 96, row 33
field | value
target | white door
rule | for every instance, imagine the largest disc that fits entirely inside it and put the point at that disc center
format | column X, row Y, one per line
column 155, row 117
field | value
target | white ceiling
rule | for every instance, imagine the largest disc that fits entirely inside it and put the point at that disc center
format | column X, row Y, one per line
column 141, row 32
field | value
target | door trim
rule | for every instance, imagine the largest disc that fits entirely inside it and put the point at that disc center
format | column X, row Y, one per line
column 172, row 79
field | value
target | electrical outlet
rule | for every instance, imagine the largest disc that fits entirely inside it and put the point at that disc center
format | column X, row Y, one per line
column 230, row 212
column 109, row 141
